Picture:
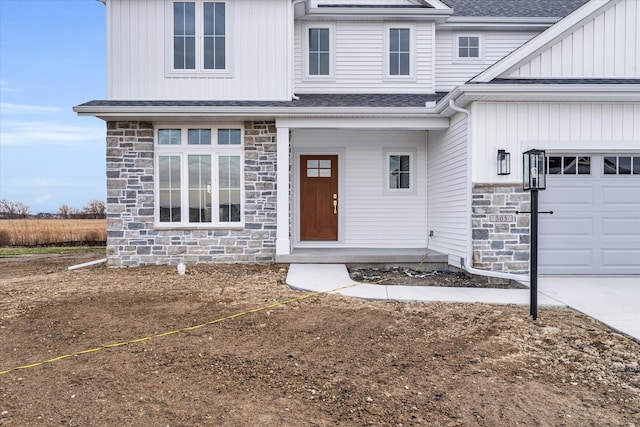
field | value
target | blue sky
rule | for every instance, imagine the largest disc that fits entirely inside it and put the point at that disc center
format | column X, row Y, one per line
column 52, row 57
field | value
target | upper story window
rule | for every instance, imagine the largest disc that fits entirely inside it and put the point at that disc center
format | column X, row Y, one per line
column 468, row 47
column 199, row 36
column 319, row 51
column 318, row 58
column 199, row 177
column 399, row 51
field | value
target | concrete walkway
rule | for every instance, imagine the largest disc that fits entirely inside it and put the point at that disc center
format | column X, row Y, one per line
column 613, row 301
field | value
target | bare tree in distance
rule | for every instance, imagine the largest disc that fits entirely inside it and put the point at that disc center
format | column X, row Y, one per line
column 64, row 211
column 95, row 209
column 14, row 210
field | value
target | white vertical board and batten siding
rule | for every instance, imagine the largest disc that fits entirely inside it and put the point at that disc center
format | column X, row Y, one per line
column 571, row 126
column 374, row 218
column 359, row 60
column 447, row 189
column 607, row 45
column 258, row 57
column 496, row 44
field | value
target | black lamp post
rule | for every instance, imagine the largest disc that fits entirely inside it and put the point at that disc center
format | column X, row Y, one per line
column 534, row 179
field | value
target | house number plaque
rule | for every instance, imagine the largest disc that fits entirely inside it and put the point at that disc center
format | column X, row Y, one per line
column 501, row 218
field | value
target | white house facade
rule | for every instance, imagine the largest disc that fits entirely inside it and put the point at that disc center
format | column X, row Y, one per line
column 265, row 131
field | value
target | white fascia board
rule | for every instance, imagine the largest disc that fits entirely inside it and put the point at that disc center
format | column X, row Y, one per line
column 541, row 41
column 457, row 23
column 614, row 92
column 465, row 94
column 405, row 123
column 257, row 112
column 383, row 13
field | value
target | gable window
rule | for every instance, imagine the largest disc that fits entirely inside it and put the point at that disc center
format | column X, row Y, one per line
column 399, row 51
column 199, row 177
column 199, row 36
column 468, row 47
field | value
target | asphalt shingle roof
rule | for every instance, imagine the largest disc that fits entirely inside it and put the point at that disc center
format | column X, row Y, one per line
column 305, row 101
column 514, row 8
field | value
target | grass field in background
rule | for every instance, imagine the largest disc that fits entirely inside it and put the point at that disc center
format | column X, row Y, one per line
column 52, row 232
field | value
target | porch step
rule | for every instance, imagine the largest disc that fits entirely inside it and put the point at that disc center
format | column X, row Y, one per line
column 409, row 257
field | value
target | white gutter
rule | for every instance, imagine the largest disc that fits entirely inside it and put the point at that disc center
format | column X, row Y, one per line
column 467, row 265
column 257, row 111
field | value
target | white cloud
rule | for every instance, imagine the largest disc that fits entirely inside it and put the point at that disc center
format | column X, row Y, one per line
column 9, row 108
column 48, row 133
column 43, row 200
column 5, row 86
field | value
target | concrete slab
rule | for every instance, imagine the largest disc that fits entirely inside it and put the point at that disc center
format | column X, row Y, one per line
column 615, row 301
column 318, row 277
column 510, row 296
column 428, row 294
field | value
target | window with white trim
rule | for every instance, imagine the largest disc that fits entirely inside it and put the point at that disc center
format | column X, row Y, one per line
column 399, row 51
column 400, row 170
column 199, row 176
column 468, row 47
column 319, row 51
column 199, row 42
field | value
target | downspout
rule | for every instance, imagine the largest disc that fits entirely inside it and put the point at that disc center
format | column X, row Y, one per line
column 467, row 266
column 292, row 53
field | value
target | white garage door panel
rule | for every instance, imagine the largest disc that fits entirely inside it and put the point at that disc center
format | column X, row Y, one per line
column 556, row 261
column 558, row 229
column 620, row 257
column 595, row 228
column 573, row 197
column 621, row 228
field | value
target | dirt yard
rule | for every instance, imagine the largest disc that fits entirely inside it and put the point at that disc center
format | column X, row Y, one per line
column 321, row 361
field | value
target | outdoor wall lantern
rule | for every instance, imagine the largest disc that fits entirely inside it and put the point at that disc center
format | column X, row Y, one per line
column 534, row 170
column 534, row 179
column 504, row 162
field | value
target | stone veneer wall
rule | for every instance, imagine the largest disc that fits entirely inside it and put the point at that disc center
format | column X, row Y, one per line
column 132, row 239
column 500, row 237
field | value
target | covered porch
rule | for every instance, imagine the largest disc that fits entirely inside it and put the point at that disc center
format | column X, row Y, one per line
column 373, row 221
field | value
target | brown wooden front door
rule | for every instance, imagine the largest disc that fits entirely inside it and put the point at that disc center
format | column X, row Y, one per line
column 319, row 197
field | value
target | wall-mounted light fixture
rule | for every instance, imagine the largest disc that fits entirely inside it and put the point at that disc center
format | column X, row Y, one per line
column 504, row 162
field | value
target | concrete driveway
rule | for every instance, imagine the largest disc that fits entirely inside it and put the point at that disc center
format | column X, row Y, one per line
column 615, row 301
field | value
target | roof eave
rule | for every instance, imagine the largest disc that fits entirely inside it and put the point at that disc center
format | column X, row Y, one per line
column 467, row 93
column 129, row 112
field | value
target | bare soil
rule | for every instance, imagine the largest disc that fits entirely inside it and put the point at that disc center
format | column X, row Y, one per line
column 415, row 277
column 322, row 361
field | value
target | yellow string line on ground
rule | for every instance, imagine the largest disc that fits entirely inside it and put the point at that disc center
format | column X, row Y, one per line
column 187, row 329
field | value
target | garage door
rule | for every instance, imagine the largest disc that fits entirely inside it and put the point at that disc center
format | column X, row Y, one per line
column 595, row 228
